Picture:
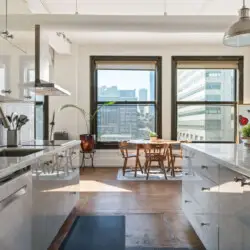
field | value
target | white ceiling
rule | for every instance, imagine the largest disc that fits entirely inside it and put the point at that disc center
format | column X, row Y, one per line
column 145, row 7
column 144, row 38
column 110, row 21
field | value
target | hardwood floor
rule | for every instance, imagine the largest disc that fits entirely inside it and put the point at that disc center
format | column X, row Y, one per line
column 152, row 209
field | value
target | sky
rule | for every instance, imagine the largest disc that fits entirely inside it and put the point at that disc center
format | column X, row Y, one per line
column 124, row 79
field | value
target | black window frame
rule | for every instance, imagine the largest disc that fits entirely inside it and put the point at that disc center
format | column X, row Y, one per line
column 94, row 87
column 238, row 89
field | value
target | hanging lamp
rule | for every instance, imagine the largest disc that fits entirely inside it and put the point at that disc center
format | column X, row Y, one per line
column 238, row 34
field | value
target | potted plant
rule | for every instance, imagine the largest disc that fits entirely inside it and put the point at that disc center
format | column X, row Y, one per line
column 153, row 136
column 88, row 139
column 245, row 132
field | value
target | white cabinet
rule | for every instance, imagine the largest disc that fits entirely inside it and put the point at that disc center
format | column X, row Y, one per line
column 216, row 201
column 54, row 198
column 15, row 211
column 5, row 89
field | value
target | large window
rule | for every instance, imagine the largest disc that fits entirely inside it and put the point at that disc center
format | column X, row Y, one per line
column 205, row 93
column 134, row 84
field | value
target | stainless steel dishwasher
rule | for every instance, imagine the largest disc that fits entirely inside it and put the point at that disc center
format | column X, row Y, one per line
column 16, row 210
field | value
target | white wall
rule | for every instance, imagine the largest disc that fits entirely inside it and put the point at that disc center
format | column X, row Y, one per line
column 72, row 73
column 14, row 60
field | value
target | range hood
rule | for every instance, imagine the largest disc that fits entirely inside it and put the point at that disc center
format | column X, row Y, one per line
column 40, row 86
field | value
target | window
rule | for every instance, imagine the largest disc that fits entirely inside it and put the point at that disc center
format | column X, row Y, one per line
column 40, row 103
column 134, row 84
column 205, row 93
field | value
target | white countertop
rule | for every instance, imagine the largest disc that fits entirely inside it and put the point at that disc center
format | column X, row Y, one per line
column 233, row 156
column 8, row 165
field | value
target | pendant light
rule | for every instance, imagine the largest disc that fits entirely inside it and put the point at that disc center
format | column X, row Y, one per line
column 238, row 35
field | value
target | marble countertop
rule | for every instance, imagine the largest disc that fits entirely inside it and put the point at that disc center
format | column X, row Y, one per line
column 233, row 156
column 9, row 165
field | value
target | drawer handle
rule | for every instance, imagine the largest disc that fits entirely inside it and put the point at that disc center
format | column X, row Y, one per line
column 48, row 162
column 11, row 198
column 6, row 91
column 187, row 201
column 60, row 156
column 185, row 156
column 243, row 181
column 205, row 189
column 205, row 224
column 72, row 193
column 73, row 153
column 204, row 167
column 237, row 179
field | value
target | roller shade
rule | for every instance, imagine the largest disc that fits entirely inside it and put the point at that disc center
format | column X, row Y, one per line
column 207, row 65
column 133, row 65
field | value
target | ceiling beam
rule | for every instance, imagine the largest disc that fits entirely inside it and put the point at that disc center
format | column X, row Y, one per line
column 120, row 23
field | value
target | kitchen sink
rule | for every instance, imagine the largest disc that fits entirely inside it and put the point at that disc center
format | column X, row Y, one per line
column 17, row 152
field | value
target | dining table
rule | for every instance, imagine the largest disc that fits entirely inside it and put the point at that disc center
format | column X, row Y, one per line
column 140, row 145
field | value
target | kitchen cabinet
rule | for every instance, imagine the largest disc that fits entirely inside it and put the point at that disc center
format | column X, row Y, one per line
column 15, row 211
column 56, row 192
column 216, row 201
column 5, row 76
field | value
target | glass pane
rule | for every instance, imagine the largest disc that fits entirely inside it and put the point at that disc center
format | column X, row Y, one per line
column 125, row 122
column 205, row 122
column 39, row 122
column 126, row 85
column 206, row 84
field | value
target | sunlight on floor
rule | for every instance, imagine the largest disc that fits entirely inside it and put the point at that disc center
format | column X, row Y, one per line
column 90, row 186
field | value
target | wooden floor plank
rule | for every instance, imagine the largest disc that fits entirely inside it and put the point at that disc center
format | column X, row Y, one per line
column 152, row 208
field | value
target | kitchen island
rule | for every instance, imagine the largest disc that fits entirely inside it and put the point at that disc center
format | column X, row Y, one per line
column 216, row 194
column 39, row 189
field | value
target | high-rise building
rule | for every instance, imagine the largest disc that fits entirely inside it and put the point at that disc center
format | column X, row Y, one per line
column 143, row 96
column 205, row 122
column 117, row 122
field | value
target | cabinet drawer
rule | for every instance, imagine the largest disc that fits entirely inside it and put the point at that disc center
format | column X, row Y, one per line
column 206, row 228
column 205, row 193
column 210, row 171
column 189, row 205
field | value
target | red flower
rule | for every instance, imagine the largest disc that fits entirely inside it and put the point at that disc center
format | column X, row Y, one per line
column 243, row 120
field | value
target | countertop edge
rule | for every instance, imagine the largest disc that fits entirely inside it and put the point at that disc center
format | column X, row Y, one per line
column 225, row 163
column 26, row 162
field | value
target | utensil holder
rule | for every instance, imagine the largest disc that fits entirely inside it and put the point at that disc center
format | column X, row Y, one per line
column 13, row 138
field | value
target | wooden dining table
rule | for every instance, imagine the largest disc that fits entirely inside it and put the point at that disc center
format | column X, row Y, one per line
column 140, row 145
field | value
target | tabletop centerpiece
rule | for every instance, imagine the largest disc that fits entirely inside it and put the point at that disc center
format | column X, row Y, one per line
column 152, row 136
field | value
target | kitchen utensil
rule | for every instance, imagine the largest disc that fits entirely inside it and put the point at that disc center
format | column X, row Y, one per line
column 9, row 119
column 4, row 120
column 22, row 120
column 14, row 121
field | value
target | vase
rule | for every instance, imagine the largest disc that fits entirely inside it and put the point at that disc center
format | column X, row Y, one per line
column 153, row 138
column 246, row 140
column 87, row 142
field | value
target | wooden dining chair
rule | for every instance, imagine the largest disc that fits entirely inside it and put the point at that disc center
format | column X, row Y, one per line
column 123, row 146
column 155, row 153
